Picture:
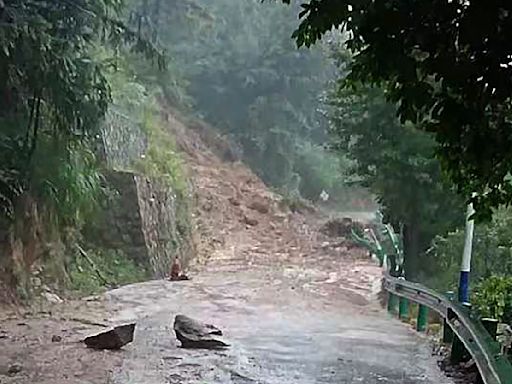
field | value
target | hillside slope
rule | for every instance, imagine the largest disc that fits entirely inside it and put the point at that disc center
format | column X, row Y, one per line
column 240, row 221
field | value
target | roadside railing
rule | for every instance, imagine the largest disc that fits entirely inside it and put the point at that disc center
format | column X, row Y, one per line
column 467, row 334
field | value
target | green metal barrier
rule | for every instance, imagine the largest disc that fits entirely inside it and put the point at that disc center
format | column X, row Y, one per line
column 471, row 334
column 372, row 245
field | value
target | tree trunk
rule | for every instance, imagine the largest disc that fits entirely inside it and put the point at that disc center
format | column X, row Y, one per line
column 412, row 250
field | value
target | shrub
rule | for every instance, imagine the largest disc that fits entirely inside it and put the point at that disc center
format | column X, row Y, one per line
column 493, row 298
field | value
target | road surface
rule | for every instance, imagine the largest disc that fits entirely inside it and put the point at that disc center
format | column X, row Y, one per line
column 300, row 323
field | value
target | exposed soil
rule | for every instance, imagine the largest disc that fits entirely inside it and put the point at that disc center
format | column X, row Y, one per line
column 43, row 345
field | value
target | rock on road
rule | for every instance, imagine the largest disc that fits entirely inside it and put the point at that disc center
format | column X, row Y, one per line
column 286, row 324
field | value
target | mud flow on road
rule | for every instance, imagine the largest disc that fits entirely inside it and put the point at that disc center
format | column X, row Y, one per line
column 285, row 324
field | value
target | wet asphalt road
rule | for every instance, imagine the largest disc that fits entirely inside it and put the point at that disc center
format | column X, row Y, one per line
column 283, row 327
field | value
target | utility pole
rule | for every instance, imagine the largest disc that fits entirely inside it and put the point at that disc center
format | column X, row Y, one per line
column 465, row 266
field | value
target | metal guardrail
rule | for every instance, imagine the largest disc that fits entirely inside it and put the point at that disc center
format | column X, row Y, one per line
column 494, row 368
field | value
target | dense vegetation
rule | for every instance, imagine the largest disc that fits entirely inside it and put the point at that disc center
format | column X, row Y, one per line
column 447, row 66
column 57, row 61
column 253, row 85
column 396, row 162
column 54, row 95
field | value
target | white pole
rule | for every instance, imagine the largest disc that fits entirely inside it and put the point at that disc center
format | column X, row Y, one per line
column 465, row 266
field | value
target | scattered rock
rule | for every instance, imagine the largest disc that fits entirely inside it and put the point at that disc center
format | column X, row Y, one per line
column 250, row 221
column 194, row 334
column 462, row 373
column 112, row 339
column 36, row 282
column 234, row 201
column 207, row 207
column 179, row 278
column 52, row 298
column 340, row 227
column 92, row 298
column 56, row 339
column 258, row 205
column 14, row 369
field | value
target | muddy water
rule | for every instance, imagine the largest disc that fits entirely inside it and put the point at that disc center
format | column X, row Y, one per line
column 283, row 328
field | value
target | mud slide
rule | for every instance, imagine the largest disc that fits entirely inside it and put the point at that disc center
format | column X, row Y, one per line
column 296, row 306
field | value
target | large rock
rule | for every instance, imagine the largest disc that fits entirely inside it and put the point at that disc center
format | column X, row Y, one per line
column 340, row 227
column 112, row 339
column 194, row 334
column 259, row 205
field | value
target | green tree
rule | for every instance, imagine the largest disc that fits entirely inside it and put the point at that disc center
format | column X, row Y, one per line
column 396, row 162
column 253, row 85
column 54, row 94
column 448, row 66
column 492, row 251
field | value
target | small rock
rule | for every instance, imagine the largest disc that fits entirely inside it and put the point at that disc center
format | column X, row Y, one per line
column 112, row 339
column 56, row 339
column 194, row 334
column 235, row 202
column 45, row 288
column 92, row 298
column 14, row 369
column 259, row 206
column 52, row 298
column 250, row 221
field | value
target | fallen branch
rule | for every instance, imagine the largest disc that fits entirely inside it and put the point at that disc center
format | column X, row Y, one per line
column 93, row 266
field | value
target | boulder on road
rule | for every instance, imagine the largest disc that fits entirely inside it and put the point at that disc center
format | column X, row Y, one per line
column 195, row 334
column 115, row 338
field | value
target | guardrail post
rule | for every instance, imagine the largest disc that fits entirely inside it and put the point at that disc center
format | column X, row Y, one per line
column 392, row 265
column 492, row 326
column 392, row 302
column 447, row 330
column 447, row 333
column 422, row 321
column 459, row 352
column 403, row 309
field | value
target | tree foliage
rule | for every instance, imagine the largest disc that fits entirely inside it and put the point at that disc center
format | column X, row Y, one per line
column 53, row 91
column 492, row 251
column 493, row 298
column 395, row 161
column 254, row 84
column 448, row 66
